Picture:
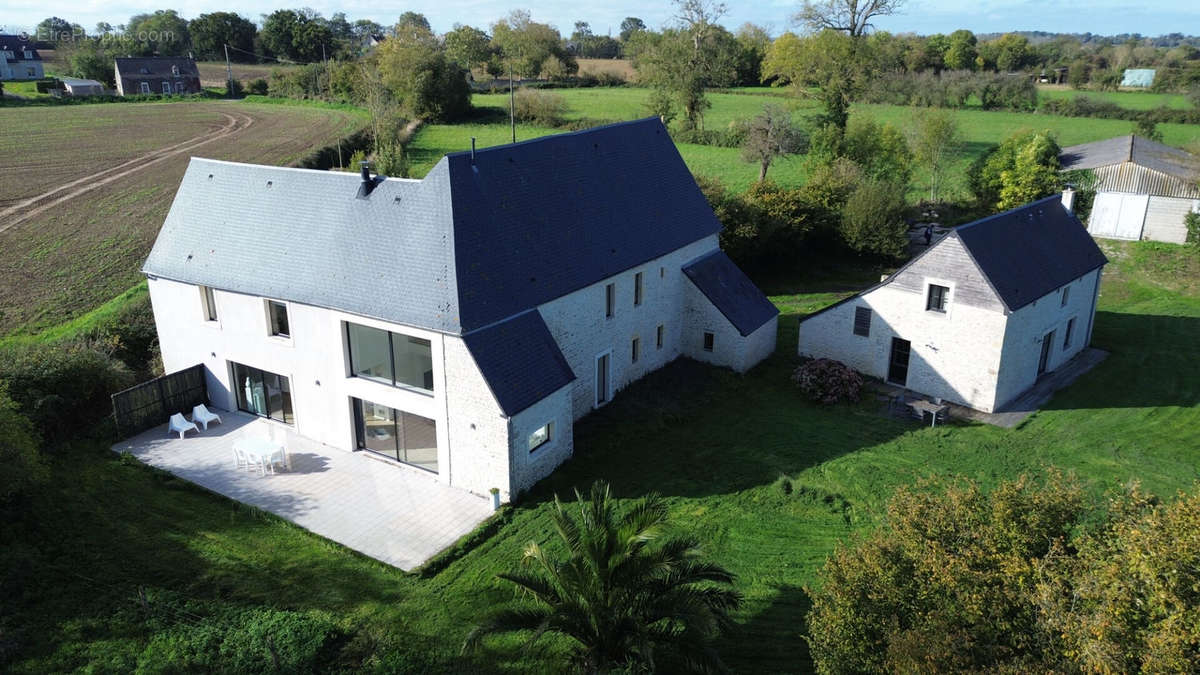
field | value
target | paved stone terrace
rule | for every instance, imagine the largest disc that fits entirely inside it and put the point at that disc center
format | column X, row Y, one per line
column 395, row 514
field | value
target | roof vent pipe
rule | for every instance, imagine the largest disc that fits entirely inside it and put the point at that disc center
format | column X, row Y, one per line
column 365, row 168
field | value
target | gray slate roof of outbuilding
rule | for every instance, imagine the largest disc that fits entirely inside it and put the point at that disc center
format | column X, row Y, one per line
column 520, row 360
column 1141, row 151
column 1031, row 250
column 731, row 291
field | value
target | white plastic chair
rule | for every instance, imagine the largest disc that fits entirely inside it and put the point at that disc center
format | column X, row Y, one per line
column 253, row 461
column 178, row 423
column 202, row 415
column 279, row 457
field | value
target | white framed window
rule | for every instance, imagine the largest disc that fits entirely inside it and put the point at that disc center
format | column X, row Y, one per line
column 637, row 289
column 145, row 87
column 541, row 436
column 277, row 317
column 208, row 303
column 166, row 87
column 610, row 300
column 936, row 298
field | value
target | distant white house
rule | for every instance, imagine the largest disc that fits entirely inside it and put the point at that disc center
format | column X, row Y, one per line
column 1144, row 189
column 19, row 60
column 978, row 317
column 457, row 324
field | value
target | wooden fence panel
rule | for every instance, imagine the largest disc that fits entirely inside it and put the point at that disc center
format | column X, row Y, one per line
column 149, row 404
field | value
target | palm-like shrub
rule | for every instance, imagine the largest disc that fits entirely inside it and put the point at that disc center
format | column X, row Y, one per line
column 624, row 593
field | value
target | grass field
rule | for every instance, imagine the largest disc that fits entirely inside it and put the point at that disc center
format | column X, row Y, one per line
column 979, row 130
column 714, row 443
column 214, row 74
column 79, row 254
column 1134, row 100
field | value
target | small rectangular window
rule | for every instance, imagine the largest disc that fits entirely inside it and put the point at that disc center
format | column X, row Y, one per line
column 1065, row 294
column 610, row 300
column 637, row 289
column 662, row 272
column 862, row 321
column 635, row 349
column 708, row 341
column 658, row 337
column 936, row 302
column 279, row 318
column 145, row 87
column 1067, row 333
column 166, row 87
column 541, row 437
column 209, row 303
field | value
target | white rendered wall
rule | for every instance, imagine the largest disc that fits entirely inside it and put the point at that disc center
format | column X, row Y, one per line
column 1028, row 325
column 955, row 356
column 578, row 323
column 1164, row 218
column 314, row 360
column 528, row 467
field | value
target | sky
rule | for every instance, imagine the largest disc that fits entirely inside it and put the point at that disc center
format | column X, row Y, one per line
column 1148, row 17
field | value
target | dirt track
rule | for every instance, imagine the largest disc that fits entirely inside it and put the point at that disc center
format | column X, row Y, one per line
column 237, row 121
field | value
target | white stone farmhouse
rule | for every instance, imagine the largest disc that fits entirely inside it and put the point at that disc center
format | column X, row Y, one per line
column 978, row 317
column 457, row 324
column 1144, row 189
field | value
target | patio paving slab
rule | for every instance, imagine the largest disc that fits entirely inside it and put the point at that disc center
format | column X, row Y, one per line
column 399, row 515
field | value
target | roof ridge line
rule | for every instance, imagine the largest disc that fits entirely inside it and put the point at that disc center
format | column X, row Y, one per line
column 1005, row 213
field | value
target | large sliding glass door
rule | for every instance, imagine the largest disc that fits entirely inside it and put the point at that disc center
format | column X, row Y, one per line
column 400, row 435
column 263, row 393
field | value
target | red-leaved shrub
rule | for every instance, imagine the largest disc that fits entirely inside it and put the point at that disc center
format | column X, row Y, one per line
column 828, row 381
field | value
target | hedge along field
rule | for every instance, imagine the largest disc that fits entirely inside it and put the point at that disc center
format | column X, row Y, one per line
column 69, row 259
column 1134, row 100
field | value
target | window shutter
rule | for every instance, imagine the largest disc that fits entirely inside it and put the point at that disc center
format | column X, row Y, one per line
column 862, row 321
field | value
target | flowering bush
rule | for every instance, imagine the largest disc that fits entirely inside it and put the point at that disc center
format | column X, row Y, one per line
column 828, row 381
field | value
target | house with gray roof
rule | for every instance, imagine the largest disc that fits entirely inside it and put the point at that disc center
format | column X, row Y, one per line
column 19, row 59
column 1144, row 189
column 156, row 75
column 458, row 324
column 977, row 317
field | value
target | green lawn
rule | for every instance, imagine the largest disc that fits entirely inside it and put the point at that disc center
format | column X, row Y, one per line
column 714, row 443
column 1134, row 100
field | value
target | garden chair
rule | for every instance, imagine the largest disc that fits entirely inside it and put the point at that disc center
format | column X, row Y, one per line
column 178, row 423
column 202, row 415
column 278, row 457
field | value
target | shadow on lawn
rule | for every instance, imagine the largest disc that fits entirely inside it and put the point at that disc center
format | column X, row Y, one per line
column 693, row 430
column 1152, row 363
column 773, row 639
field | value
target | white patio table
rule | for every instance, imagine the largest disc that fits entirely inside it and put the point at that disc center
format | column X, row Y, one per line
column 264, row 450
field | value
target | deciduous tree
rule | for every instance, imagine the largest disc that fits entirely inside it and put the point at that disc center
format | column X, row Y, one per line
column 852, row 17
column 934, row 141
column 771, row 134
column 211, row 32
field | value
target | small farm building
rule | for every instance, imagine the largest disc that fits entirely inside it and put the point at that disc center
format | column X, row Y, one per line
column 1144, row 189
column 77, row 87
column 979, row 316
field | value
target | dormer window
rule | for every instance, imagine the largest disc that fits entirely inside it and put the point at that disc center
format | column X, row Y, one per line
column 175, row 71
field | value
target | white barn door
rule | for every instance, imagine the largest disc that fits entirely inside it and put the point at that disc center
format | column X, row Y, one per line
column 1118, row 216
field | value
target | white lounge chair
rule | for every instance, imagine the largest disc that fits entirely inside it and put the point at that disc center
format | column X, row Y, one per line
column 202, row 415
column 178, row 423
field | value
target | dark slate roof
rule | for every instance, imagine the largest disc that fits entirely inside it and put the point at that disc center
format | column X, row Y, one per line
column 129, row 67
column 1023, row 253
column 536, row 220
column 731, row 291
column 1140, row 151
column 18, row 45
column 1031, row 250
column 520, row 361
